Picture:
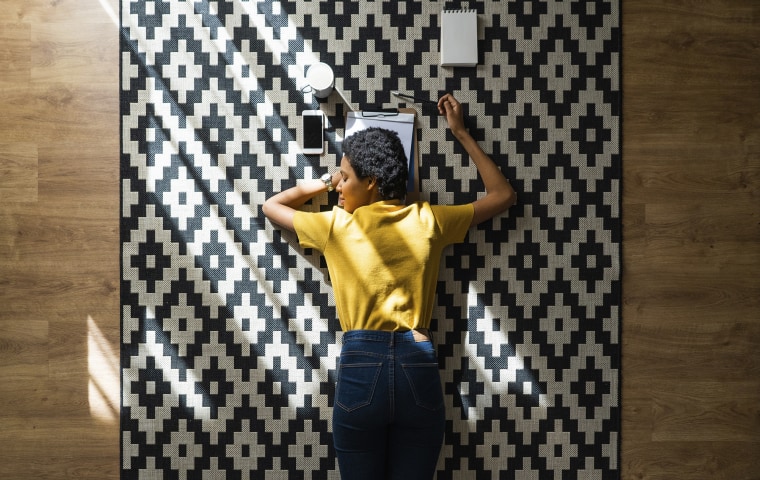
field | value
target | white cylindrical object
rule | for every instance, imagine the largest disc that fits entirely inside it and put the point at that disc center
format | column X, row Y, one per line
column 321, row 79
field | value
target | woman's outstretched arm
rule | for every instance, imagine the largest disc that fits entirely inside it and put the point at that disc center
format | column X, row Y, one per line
column 499, row 193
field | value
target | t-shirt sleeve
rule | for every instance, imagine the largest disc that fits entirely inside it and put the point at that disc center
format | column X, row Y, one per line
column 313, row 228
column 453, row 221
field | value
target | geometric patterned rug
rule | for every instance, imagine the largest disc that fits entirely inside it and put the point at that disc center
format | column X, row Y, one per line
column 229, row 329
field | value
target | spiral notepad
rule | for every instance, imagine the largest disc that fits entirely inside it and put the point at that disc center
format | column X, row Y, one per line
column 459, row 38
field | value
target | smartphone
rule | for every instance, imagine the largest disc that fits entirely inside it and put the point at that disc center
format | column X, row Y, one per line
column 313, row 132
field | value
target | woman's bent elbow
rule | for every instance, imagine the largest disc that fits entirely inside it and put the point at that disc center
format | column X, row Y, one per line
column 506, row 199
column 511, row 199
column 266, row 208
column 493, row 204
column 279, row 214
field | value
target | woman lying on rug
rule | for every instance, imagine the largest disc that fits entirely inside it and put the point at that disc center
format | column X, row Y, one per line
column 383, row 259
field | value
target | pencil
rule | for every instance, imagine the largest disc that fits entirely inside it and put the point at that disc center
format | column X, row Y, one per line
column 410, row 97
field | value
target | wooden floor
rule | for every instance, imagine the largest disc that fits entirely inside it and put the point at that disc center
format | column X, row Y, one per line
column 691, row 210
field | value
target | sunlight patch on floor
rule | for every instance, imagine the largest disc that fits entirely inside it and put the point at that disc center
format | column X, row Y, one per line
column 109, row 11
column 103, row 366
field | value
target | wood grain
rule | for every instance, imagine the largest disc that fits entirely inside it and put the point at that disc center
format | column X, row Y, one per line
column 691, row 209
column 18, row 172
column 691, row 251
column 59, row 251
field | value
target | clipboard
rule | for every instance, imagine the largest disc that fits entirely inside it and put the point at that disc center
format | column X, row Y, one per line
column 404, row 122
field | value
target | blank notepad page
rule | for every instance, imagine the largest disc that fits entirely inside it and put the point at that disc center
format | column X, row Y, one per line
column 459, row 38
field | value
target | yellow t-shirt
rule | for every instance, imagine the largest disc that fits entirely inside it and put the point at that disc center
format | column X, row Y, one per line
column 383, row 259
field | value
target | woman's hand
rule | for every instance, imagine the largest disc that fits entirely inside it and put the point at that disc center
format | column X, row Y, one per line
column 452, row 109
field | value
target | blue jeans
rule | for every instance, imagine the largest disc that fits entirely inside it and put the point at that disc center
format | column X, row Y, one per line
column 388, row 418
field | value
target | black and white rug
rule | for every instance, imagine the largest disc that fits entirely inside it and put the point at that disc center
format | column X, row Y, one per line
column 228, row 327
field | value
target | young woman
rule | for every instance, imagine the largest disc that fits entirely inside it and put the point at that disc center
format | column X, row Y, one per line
column 383, row 258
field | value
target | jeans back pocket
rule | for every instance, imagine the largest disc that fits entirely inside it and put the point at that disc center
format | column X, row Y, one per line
column 356, row 384
column 425, row 382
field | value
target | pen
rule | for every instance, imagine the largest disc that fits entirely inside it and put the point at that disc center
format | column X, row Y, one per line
column 409, row 97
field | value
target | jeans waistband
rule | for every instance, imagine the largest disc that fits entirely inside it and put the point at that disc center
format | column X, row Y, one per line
column 417, row 335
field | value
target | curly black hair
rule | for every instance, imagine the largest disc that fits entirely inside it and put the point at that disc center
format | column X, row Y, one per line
column 377, row 152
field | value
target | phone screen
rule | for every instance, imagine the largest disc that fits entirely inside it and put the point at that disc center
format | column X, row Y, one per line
column 312, row 131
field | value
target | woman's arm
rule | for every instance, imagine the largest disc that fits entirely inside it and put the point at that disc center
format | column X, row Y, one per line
column 281, row 207
column 499, row 193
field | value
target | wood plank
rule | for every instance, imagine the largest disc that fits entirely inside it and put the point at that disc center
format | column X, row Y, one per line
column 18, row 172
column 70, row 12
column 688, row 349
column 23, row 353
column 63, row 114
column 698, row 410
column 15, row 53
column 704, row 460
column 82, row 59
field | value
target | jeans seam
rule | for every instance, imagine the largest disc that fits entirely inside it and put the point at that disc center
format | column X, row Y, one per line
column 392, row 374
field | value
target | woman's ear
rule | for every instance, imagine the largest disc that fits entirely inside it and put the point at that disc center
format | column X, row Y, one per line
column 373, row 189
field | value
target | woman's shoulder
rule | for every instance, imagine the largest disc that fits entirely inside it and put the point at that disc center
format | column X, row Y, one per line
column 446, row 209
column 444, row 214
